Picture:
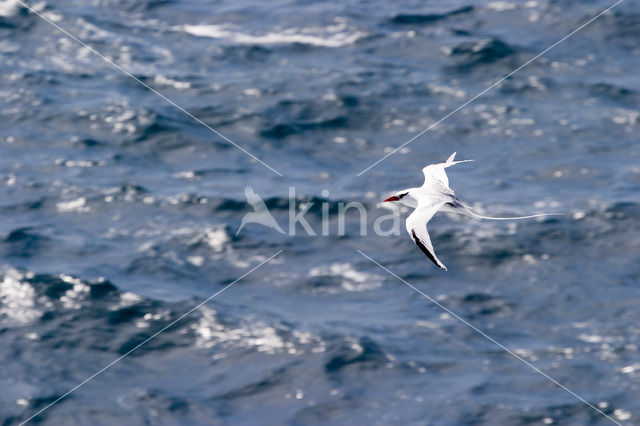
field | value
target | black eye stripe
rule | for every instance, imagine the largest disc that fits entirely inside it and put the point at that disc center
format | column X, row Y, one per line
column 402, row 195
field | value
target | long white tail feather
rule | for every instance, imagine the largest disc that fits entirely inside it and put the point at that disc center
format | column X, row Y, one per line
column 466, row 210
column 458, row 162
column 450, row 161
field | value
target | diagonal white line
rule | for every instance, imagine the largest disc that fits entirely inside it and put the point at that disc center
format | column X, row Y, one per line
column 127, row 73
column 491, row 87
column 149, row 338
column 483, row 334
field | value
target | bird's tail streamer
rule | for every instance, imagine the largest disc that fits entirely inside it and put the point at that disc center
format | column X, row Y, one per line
column 466, row 210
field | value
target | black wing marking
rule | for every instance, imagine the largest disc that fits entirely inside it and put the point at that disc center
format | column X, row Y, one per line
column 426, row 251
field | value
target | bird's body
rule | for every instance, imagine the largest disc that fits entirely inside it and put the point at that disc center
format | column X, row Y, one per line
column 435, row 195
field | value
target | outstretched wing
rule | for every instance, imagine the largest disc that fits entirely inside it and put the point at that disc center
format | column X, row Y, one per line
column 417, row 228
column 254, row 199
column 436, row 171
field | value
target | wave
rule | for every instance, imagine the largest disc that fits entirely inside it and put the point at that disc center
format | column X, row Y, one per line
column 414, row 19
column 10, row 8
column 480, row 304
column 24, row 242
column 480, row 52
column 624, row 28
column 339, row 277
column 282, row 130
column 93, row 310
column 614, row 93
column 363, row 353
column 333, row 36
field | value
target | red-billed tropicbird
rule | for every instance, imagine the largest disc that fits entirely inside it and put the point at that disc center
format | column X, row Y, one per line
column 432, row 196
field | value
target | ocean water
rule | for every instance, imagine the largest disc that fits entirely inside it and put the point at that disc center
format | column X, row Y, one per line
column 119, row 212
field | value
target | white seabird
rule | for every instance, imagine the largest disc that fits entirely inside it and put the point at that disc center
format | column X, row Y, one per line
column 434, row 195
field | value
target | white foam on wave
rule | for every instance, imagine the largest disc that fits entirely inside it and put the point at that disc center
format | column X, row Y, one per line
column 630, row 369
column 91, row 31
column 17, row 298
column 122, row 117
column 72, row 297
column 626, row 116
column 78, row 206
column 622, row 415
column 331, row 36
column 9, row 8
column 446, row 90
column 217, row 239
column 257, row 335
column 352, row 279
column 167, row 81
column 501, row 6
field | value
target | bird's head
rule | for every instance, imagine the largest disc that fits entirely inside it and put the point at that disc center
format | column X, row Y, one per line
column 405, row 197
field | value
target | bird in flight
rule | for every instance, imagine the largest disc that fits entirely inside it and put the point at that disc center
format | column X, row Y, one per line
column 432, row 196
column 261, row 213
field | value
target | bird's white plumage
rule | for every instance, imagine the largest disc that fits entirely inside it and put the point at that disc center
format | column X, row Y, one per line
column 436, row 171
column 434, row 195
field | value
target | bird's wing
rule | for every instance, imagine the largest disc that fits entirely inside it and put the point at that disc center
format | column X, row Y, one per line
column 417, row 228
column 436, row 171
column 254, row 199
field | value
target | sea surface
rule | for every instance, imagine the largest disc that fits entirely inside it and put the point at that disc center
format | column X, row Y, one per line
column 119, row 213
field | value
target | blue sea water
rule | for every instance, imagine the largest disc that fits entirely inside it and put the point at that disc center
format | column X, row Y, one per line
column 119, row 212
